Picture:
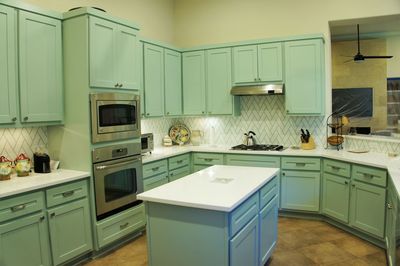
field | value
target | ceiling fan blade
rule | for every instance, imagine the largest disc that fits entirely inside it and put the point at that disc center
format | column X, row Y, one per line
column 358, row 39
column 347, row 61
column 377, row 56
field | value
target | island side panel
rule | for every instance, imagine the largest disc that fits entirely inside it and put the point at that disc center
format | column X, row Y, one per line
column 182, row 236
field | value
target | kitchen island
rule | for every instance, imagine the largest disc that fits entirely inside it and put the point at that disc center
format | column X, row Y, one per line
column 223, row 215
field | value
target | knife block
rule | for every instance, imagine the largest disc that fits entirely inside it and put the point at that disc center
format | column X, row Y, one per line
column 308, row 146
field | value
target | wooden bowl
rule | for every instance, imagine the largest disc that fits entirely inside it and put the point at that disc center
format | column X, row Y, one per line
column 335, row 140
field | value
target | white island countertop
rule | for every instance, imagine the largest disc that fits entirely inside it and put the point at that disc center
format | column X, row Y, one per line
column 219, row 187
column 34, row 181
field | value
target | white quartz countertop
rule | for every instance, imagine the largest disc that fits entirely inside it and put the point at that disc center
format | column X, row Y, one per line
column 374, row 159
column 36, row 181
column 219, row 187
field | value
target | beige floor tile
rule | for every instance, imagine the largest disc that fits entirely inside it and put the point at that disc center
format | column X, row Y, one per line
column 326, row 253
column 292, row 258
column 356, row 246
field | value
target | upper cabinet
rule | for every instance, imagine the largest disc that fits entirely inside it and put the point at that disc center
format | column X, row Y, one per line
column 194, row 83
column 304, row 77
column 173, row 82
column 257, row 63
column 114, row 55
column 38, row 71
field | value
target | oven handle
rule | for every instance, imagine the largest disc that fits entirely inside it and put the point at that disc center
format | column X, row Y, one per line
column 102, row 167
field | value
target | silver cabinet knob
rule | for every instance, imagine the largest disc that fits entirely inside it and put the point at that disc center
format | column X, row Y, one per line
column 26, row 118
column 14, row 119
column 345, row 182
column 116, row 85
column 202, row 112
column 167, row 113
column 120, row 85
column 148, row 114
column 389, row 206
column 255, row 79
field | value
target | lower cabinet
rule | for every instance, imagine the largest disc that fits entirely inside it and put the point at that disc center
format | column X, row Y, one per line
column 336, row 197
column 202, row 160
column 391, row 223
column 244, row 246
column 268, row 219
column 155, row 174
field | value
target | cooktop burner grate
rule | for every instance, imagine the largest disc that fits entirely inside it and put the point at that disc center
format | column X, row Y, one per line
column 259, row 147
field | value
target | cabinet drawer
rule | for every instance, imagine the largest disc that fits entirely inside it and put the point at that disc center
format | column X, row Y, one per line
column 155, row 181
column 243, row 214
column 208, row 158
column 369, row 175
column 178, row 173
column 268, row 192
column 21, row 205
column 337, row 168
column 253, row 160
column 155, row 168
column 301, row 163
column 117, row 226
column 65, row 193
column 178, row 161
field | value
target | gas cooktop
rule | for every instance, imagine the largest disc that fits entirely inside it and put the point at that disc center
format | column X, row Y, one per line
column 259, row 147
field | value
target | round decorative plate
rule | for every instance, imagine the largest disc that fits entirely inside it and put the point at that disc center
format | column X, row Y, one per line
column 180, row 134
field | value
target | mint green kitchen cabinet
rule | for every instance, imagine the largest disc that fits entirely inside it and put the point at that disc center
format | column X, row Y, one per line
column 202, row 160
column 304, row 77
column 194, row 83
column 113, row 55
column 40, row 68
column 173, row 82
column 268, row 219
column 219, row 81
column 178, row 166
column 8, row 66
column 367, row 208
column 336, row 197
column 153, row 80
column 155, row 174
column 391, row 220
column 25, row 241
column 257, row 63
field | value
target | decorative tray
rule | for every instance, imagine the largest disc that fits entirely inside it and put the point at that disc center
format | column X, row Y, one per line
column 180, row 134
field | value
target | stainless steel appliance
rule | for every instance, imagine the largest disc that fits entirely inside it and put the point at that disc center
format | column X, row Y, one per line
column 259, row 147
column 115, row 116
column 258, row 89
column 117, row 171
column 147, row 142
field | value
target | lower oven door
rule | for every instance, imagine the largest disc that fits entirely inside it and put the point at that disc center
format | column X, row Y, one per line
column 117, row 182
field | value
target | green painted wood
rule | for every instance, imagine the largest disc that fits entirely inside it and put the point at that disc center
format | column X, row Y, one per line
column 304, row 77
column 194, row 83
column 179, row 173
column 391, row 220
column 122, row 224
column 245, row 62
column 173, row 82
column 153, row 80
column 155, row 181
column 178, row 161
column 300, row 190
column 369, row 175
column 40, row 68
column 269, row 191
column 141, row 79
column 301, row 163
column 336, row 197
column 367, row 208
column 268, row 220
column 253, row 160
column 244, row 247
column 155, row 168
column 70, row 230
column 8, row 66
column 219, row 81
column 25, row 241
column 200, row 237
column 208, row 158
column 270, row 62
column 242, row 215
column 127, row 57
column 18, row 206
column 199, row 167
column 66, row 193
column 336, row 167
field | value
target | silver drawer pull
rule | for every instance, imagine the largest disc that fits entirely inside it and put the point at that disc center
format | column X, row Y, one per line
column 123, row 226
column 389, row 206
column 68, row 194
column 180, row 161
column 368, row 175
column 335, row 167
column 18, row 208
column 208, row 159
column 155, row 168
column 301, row 164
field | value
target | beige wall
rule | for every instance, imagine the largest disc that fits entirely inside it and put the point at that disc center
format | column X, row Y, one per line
column 370, row 73
column 393, row 48
column 155, row 17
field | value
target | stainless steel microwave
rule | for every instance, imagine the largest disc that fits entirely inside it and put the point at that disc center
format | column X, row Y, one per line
column 115, row 116
column 147, row 140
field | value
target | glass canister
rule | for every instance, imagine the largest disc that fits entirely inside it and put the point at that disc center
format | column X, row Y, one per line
column 22, row 165
column 196, row 137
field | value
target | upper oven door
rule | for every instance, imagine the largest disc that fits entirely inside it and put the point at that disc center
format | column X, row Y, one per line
column 117, row 182
column 115, row 116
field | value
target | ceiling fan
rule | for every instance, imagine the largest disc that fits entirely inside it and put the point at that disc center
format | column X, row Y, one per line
column 360, row 57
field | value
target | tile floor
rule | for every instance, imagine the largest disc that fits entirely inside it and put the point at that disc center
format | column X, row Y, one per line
column 300, row 242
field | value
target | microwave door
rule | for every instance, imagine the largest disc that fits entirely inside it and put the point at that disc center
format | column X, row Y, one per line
column 116, row 116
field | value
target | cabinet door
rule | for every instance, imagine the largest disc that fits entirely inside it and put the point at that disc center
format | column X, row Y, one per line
column 245, row 64
column 173, row 82
column 24, row 241
column 304, row 77
column 8, row 68
column 194, row 83
column 268, row 229
column 102, row 53
column 127, row 58
column 154, row 80
column 219, row 81
column 40, row 56
column 70, row 230
column 367, row 209
column 390, row 232
column 270, row 62
column 336, row 197
column 300, row 190
column 244, row 246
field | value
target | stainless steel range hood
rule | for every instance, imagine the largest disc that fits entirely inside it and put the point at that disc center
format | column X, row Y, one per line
column 270, row 89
